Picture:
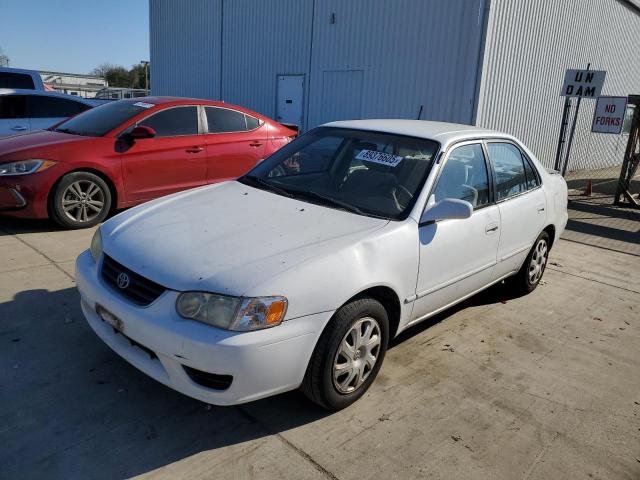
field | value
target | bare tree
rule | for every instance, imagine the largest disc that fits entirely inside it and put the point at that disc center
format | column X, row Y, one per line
column 4, row 60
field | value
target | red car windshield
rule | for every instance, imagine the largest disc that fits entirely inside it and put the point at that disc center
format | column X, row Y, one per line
column 100, row 120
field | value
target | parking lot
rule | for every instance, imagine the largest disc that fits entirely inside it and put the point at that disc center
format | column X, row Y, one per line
column 537, row 387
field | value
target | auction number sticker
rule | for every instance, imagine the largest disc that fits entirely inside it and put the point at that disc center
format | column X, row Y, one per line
column 379, row 157
column 144, row 105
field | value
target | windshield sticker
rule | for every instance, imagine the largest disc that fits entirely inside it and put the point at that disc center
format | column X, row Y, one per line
column 379, row 157
column 144, row 105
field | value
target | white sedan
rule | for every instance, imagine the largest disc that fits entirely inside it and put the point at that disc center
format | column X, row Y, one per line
column 299, row 273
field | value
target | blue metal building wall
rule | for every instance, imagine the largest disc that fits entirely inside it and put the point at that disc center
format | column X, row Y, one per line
column 360, row 58
column 185, row 47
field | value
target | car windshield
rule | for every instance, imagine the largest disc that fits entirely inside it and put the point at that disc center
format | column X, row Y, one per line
column 368, row 173
column 99, row 120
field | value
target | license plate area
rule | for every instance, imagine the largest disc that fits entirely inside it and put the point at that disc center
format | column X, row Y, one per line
column 109, row 318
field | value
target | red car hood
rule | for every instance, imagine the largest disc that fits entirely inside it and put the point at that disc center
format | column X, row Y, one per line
column 43, row 142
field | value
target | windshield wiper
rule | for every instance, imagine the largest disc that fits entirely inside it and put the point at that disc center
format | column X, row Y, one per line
column 261, row 182
column 333, row 201
column 64, row 130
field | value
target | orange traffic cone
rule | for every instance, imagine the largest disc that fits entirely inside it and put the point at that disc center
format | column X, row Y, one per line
column 587, row 190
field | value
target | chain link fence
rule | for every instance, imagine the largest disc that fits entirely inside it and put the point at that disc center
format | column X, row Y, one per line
column 604, row 183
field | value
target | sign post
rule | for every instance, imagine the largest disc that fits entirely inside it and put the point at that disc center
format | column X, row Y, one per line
column 582, row 84
column 608, row 116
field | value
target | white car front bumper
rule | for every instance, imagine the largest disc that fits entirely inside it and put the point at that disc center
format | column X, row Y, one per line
column 160, row 343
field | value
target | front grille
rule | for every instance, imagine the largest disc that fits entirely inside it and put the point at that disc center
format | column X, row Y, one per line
column 209, row 380
column 139, row 290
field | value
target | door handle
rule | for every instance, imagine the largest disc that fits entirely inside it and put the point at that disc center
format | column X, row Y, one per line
column 194, row 150
column 18, row 128
column 489, row 229
column 540, row 209
column 255, row 143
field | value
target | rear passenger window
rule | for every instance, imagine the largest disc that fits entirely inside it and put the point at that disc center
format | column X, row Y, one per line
column 13, row 106
column 252, row 122
column 16, row 80
column 52, row 107
column 464, row 177
column 508, row 165
column 174, row 122
column 222, row 120
column 532, row 178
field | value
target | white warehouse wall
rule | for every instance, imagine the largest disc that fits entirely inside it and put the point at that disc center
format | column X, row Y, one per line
column 528, row 47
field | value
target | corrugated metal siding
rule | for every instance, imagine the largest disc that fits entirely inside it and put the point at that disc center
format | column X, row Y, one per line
column 411, row 53
column 263, row 39
column 530, row 44
column 344, row 88
column 185, row 47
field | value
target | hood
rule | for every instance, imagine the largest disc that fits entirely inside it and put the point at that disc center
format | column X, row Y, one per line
column 23, row 146
column 227, row 238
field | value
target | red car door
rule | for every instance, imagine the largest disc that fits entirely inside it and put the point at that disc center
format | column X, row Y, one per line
column 235, row 143
column 175, row 159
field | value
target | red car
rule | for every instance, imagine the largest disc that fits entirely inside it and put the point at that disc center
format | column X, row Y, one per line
column 127, row 152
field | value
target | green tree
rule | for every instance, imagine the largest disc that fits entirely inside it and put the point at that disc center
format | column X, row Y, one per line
column 137, row 75
column 115, row 75
column 118, row 76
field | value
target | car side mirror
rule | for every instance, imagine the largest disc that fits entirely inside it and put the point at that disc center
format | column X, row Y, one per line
column 446, row 209
column 141, row 132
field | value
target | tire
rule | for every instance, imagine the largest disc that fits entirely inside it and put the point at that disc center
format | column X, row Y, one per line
column 80, row 200
column 319, row 384
column 530, row 274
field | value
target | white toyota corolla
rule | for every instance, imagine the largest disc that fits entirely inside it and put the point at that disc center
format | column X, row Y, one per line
column 299, row 273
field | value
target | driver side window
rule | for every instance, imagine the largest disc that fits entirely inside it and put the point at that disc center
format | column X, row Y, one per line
column 173, row 122
column 465, row 177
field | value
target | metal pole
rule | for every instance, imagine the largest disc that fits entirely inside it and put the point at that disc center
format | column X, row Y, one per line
column 563, row 131
column 573, row 130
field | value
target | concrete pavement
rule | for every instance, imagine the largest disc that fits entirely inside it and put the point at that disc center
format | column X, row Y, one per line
column 538, row 387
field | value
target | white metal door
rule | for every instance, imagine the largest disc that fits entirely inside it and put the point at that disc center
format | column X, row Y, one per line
column 290, row 97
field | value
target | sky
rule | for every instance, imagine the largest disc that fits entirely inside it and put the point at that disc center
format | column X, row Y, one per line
column 74, row 36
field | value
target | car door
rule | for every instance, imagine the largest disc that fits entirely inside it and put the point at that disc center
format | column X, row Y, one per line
column 173, row 160
column 521, row 201
column 236, row 142
column 44, row 111
column 13, row 115
column 457, row 257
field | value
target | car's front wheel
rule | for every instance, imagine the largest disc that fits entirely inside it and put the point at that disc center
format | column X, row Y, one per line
column 80, row 200
column 348, row 355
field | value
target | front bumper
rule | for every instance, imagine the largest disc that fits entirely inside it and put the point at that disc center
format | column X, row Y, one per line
column 26, row 195
column 262, row 363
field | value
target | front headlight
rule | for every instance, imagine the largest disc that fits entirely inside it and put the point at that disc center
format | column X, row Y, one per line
column 24, row 167
column 96, row 245
column 232, row 313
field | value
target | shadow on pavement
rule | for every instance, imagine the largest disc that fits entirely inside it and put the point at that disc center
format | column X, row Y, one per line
column 14, row 226
column 72, row 408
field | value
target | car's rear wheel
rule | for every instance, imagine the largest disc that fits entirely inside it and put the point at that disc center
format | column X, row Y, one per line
column 348, row 355
column 530, row 274
column 80, row 200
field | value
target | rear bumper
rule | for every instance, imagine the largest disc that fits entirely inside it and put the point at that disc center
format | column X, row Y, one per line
column 161, row 344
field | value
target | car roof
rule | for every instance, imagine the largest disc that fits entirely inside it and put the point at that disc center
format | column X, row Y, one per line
column 174, row 101
column 18, row 70
column 443, row 132
column 178, row 101
column 43, row 93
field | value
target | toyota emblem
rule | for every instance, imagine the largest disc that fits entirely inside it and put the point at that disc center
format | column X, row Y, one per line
column 123, row 280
